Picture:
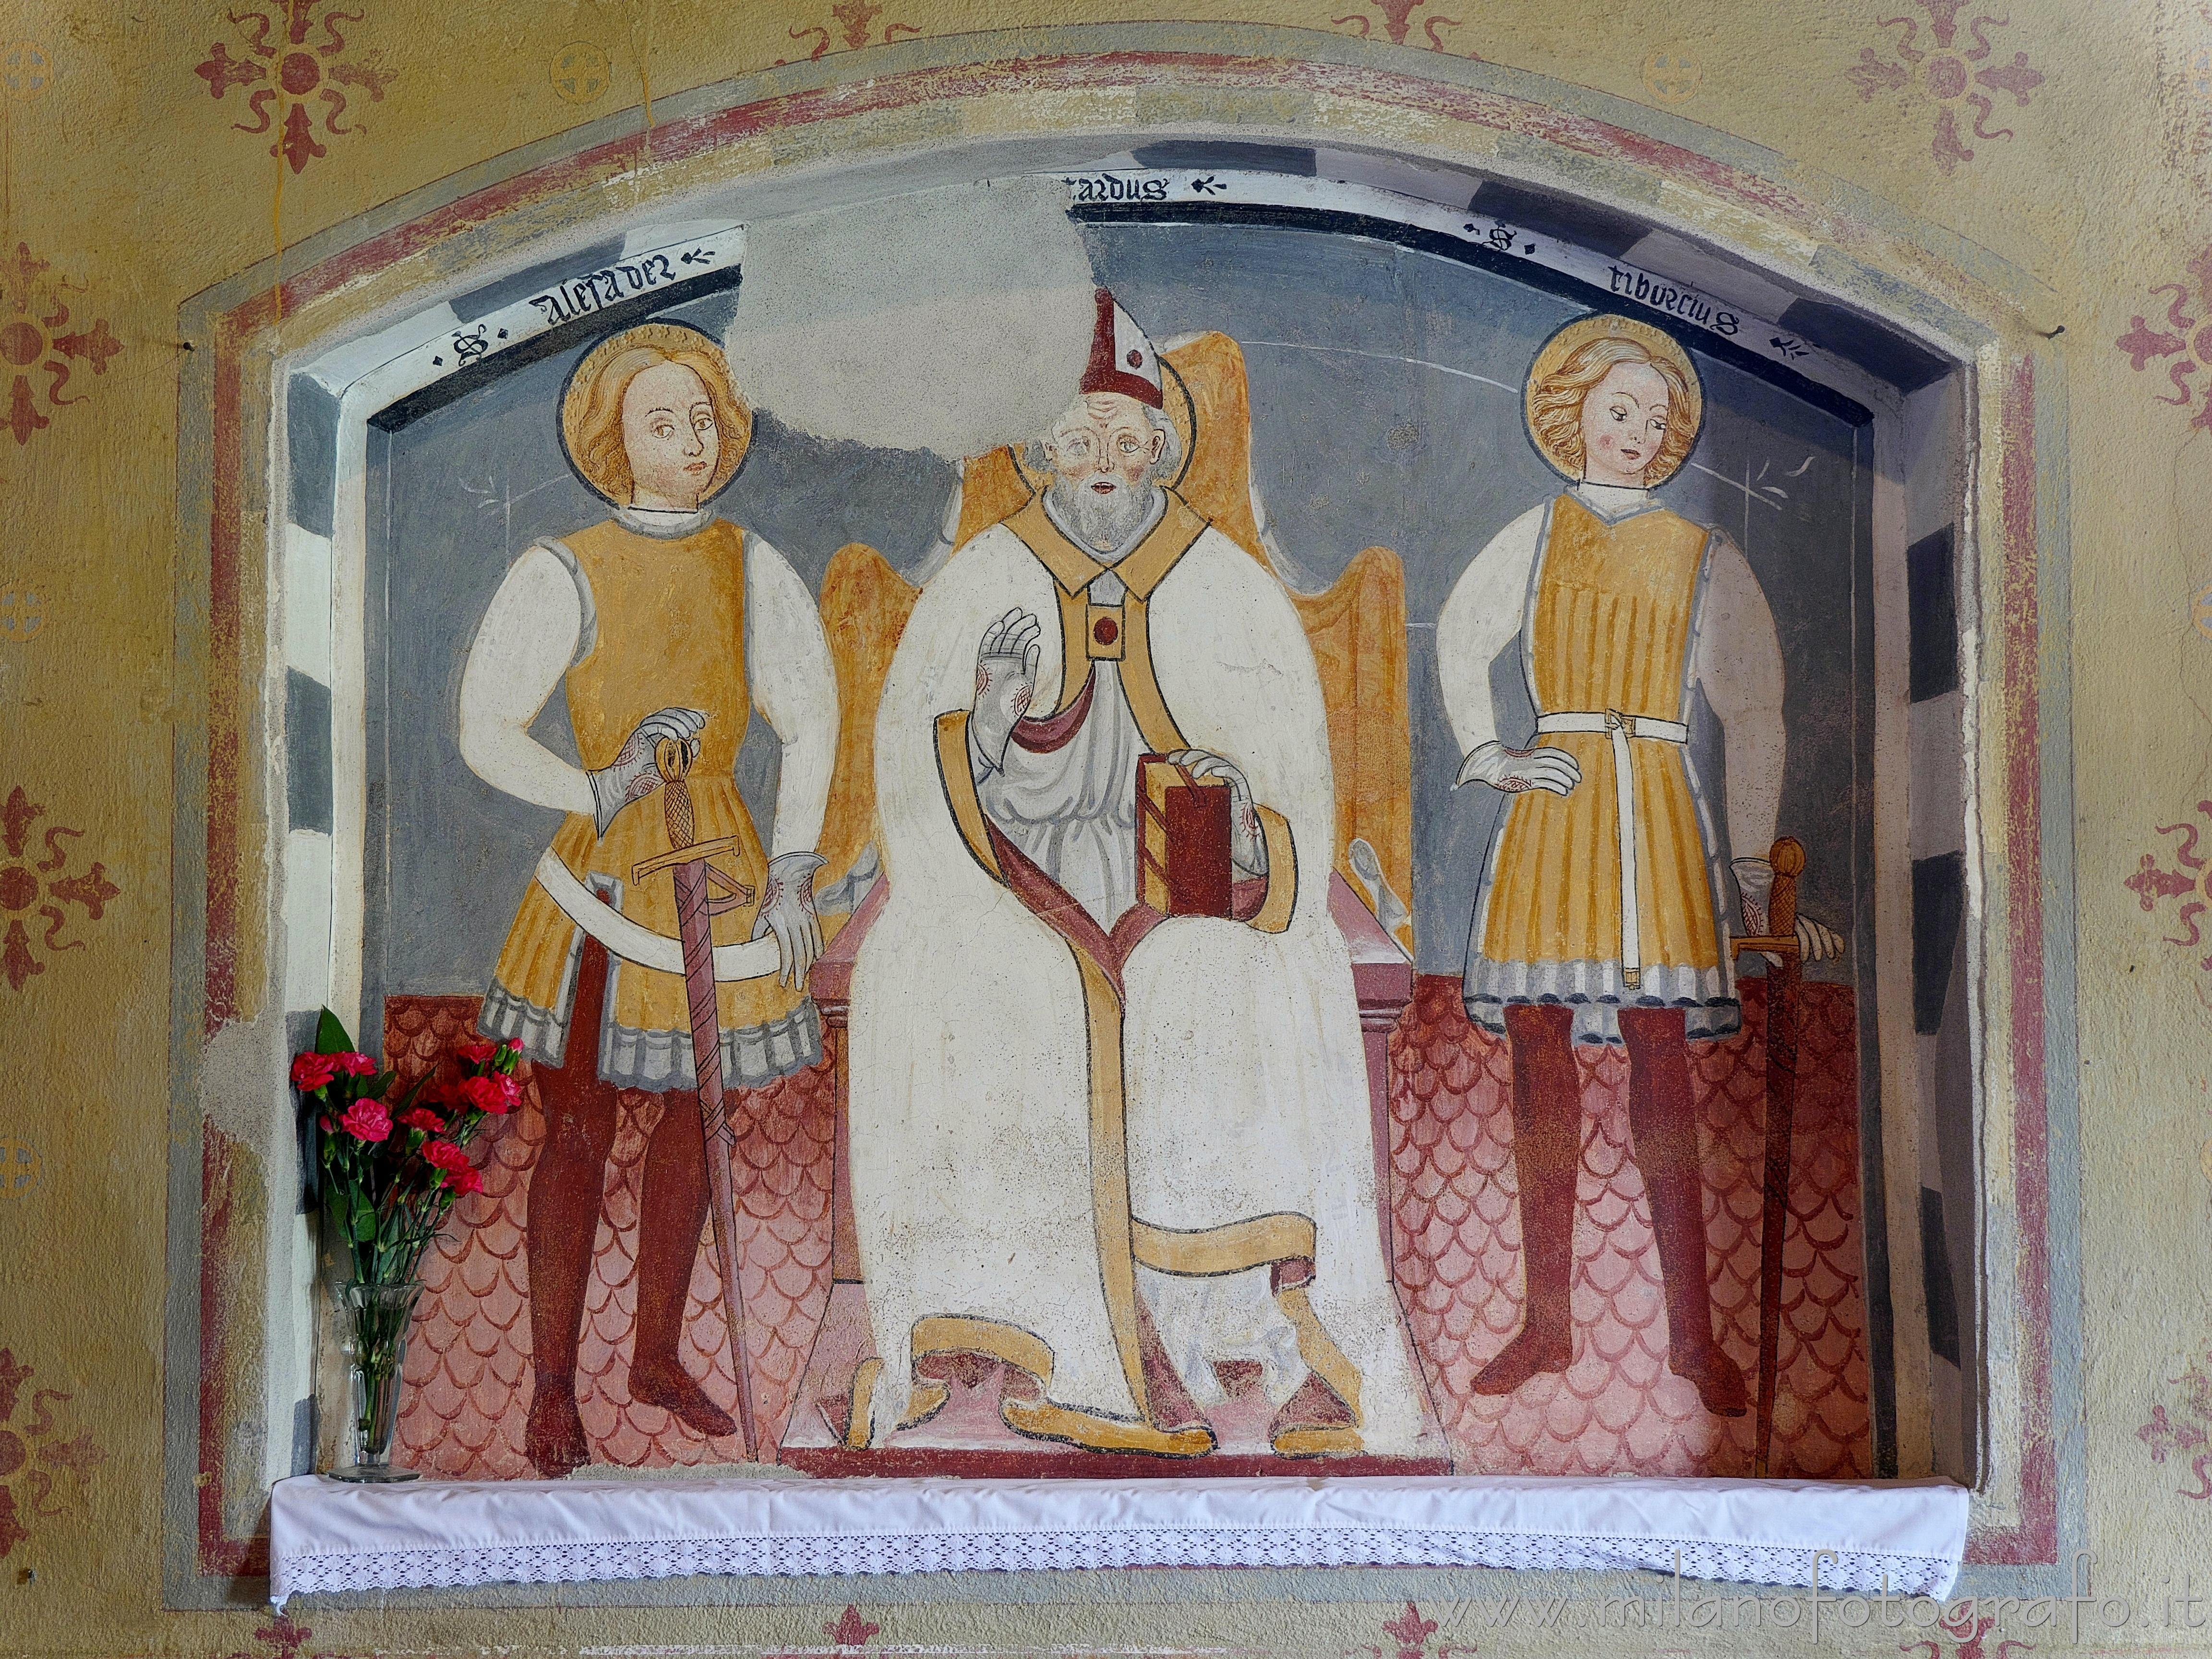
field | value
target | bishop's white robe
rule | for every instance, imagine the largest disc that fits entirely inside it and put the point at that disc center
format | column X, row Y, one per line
column 1024, row 1132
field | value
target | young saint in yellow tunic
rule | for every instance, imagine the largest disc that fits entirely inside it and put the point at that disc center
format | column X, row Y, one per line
column 665, row 622
column 1598, row 919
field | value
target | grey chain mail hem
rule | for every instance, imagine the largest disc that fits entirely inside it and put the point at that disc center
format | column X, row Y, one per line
column 1597, row 993
column 752, row 1057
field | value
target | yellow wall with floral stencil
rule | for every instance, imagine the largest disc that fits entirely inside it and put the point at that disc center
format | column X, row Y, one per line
column 2048, row 170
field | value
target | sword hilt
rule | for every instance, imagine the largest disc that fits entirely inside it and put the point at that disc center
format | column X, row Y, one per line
column 1786, row 857
column 671, row 758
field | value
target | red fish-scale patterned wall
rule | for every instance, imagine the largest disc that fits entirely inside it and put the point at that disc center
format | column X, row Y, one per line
column 1457, row 1223
column 1457, row 1228
column 468, row 1358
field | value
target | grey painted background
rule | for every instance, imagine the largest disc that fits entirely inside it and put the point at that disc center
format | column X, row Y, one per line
column 1385, row 395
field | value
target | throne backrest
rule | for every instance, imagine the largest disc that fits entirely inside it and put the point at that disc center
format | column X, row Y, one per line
column 1357, row 628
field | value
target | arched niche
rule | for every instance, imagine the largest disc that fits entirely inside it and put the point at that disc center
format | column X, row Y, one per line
column 1917, row 363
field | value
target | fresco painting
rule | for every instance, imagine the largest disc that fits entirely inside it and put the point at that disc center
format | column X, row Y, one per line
column 331, row 581
column 1596, row 924
column 668, row 626
column 1209, row 998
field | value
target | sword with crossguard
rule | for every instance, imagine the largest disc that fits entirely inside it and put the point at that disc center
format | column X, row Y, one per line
column 695, row 911
column 1784, row 980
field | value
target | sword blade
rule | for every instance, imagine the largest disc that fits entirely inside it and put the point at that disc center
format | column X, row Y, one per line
column 695, row 928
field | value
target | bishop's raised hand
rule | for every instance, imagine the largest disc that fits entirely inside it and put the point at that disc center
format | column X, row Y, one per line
column 1006, row 681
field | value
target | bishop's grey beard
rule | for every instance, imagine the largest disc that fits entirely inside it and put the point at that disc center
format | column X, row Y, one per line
column 1103, row 522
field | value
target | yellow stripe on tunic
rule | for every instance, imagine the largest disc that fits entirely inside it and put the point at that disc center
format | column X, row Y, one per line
column 1609, row 629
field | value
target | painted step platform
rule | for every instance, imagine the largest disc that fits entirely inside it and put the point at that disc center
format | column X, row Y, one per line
column 968, row 1438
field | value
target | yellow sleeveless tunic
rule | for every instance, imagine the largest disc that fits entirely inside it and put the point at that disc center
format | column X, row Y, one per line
column 671, row 634
column 1609, row 627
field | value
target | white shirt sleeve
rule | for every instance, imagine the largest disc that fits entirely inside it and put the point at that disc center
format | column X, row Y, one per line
column 1481, row 618
column 523, row 647
column 794, row 686
column 1739, row 664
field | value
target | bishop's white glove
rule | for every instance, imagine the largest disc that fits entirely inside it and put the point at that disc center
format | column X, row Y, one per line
column 1248, row 846
column 1005, row 680
column 1509, row 771
column 1754, row 887
column 632, row 775
column 786, row 909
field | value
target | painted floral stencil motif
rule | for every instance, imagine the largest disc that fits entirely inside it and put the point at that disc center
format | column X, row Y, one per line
column 2184, row 1435
column 2178, row 341
column 1962, row 85
column 295, row 58
column 25, row 881
column 2190, row 882
column 853, row 22
column 41, row 337
column 43, row 1465
column 1398, row 19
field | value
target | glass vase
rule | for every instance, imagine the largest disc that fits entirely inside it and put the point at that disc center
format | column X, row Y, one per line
column 376, row 1319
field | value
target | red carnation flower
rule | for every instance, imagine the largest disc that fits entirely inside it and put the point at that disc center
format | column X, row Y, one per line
column 429, row 1122
column 512, row 1045
column 355, row 1065
column 477, row 1054
column 366, row 1120
column 312, row 1071
column 465, row 1180
column 495, row 1093
column 444, row 1155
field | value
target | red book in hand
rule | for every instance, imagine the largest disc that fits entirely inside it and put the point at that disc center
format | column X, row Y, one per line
column 1182, row 840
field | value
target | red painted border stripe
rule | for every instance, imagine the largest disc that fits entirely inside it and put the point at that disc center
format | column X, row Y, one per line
column 222, row 690
column 2035, row 1540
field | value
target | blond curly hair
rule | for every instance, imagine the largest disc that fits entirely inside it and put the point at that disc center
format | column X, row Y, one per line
column 1555, row 406
column 599, row 453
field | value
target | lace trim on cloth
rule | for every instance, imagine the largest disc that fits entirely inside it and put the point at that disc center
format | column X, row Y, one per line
column 1905, row 1539
column 752, row 1058
column 1595, row 991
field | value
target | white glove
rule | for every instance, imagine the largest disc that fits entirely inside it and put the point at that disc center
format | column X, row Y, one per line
column 1248, row 846
column 1005, row 680
column 1754, row 886
column 1511, row 770
column 632, row 775
column 786, row 909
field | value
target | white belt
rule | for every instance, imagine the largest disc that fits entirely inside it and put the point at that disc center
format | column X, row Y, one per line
column 1621, row 729
column 755, row 959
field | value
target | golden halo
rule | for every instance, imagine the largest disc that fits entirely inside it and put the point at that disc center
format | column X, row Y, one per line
column 1563, row 344
column 1187, row 428
column 671, row 338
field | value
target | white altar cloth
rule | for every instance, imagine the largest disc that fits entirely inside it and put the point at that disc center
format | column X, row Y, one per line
column 325, row 1535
